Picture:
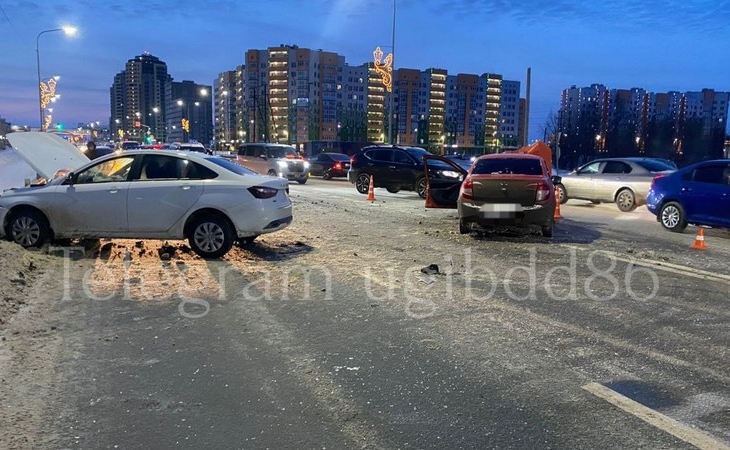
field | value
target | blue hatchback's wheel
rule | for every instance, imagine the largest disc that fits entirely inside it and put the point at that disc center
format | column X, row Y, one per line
column 672, row 218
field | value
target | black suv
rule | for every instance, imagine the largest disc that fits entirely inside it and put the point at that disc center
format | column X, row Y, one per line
column 394, row 168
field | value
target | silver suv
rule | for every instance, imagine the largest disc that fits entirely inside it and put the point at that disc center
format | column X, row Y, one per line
column 277, row 160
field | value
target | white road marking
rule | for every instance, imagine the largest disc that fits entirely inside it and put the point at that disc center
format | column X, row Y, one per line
column 662, row 265
column 699, row 439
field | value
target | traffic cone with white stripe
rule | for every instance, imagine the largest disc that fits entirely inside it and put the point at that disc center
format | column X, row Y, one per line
column 699, row 243
column 371, row 190
column 556, row 213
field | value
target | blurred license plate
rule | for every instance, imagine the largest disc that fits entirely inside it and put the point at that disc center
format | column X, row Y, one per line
column 501, row 207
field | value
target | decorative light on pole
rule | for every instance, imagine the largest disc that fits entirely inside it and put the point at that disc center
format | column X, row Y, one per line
column 385, row 69
column 69, row 31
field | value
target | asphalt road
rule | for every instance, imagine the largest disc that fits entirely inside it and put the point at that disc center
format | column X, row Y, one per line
column 613, row 334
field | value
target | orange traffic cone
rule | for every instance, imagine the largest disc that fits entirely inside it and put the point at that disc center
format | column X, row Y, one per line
column 371, row 190
column 557, row 215
column 699, row 243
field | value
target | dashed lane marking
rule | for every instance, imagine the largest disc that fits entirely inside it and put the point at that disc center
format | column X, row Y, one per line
column 693, row 436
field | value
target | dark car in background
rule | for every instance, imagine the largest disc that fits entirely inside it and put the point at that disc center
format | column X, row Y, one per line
column 499, row 190
column 190, row 147
column 698, row 194
column 329, row 165
column 128, row 145
column 464, row 161
column 395, row 168
column 623, row 181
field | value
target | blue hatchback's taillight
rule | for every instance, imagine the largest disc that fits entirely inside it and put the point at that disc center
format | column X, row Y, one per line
column 653, row 180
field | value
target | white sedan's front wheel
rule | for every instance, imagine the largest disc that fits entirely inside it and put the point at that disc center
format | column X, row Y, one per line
column 29, row 228
column 211, row 237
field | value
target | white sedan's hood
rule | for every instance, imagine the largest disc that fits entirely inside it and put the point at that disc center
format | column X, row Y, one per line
column 14, row 171
column 46, row 153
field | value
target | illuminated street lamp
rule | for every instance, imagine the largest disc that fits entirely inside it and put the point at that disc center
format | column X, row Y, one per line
column 69, row 31
column 184, row 121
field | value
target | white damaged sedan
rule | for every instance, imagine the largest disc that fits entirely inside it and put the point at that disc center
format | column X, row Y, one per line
column 145, row 194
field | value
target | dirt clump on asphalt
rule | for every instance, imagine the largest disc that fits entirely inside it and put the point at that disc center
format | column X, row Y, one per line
column 29, row 341
column 19, row 270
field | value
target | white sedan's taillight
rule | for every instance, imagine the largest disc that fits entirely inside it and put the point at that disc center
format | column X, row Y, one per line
column 263, row 191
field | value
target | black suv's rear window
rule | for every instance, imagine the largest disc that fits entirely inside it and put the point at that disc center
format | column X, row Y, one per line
column 519, row 166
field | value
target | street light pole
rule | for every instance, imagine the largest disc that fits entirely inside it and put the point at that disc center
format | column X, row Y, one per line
column 392, row 92
column 70, row 31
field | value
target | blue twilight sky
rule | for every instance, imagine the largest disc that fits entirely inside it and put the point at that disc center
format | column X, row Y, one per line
column 659, row 45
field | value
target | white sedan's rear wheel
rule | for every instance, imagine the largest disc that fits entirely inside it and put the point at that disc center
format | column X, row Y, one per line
column 211, row 237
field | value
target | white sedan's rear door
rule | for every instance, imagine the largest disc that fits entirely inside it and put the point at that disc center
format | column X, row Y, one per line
column 160, row 197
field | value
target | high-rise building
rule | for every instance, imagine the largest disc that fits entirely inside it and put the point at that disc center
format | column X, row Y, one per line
column 137, row 99
column 225, row 91
column 295, row 95
column 188, row 112
column 291, row 95
column 492, row 85
column 360, row 98
column 411, row 112
column 509, row 114
column 685, row 127
column 464, row 120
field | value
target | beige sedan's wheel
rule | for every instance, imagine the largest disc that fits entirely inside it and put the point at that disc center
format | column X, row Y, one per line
column 626, row 200
column 560, row 194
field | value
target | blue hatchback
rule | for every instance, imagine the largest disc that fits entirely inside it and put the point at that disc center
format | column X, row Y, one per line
column 698, row 194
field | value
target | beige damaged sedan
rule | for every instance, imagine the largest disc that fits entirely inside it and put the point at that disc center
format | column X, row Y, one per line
column 624, row 181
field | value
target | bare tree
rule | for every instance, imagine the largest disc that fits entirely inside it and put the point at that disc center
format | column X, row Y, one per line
column 551, row 126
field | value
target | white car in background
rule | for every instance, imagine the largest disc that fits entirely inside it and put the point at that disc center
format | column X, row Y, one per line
column 141, row 194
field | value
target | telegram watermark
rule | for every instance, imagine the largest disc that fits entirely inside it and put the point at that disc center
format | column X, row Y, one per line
column 468, row 276
column 597, row 276
column 193, row 283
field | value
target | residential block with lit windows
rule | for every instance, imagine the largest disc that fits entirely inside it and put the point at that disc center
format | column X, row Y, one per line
column 299, row 96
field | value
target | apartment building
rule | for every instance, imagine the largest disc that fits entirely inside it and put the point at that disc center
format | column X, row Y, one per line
column 137, row 99
column 596, row 121
column 188, row 111
column 225, row 93
column 296, row 95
